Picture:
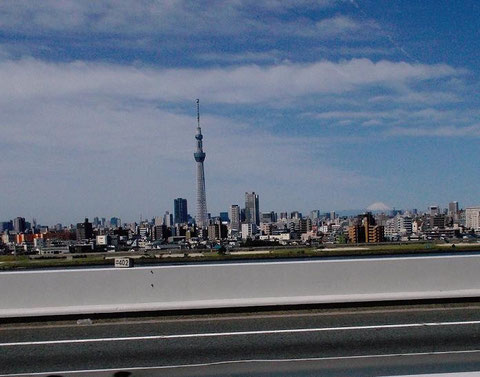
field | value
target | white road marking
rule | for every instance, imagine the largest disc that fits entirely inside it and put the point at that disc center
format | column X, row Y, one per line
column 226, row 362
column 458, row 374
column 239, row 333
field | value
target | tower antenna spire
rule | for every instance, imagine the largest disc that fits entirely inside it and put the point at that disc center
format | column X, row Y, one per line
column 198, row 113
column 199, row 155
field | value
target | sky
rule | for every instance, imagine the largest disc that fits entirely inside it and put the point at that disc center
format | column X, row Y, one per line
column 312, row 104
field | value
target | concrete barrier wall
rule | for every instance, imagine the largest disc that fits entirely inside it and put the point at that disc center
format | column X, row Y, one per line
column 107, row 290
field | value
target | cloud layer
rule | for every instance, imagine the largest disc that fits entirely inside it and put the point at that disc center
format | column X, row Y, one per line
column 170, row 17
column 28, row 78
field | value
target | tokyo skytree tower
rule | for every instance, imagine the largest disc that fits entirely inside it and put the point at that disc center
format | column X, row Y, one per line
column 201, row 218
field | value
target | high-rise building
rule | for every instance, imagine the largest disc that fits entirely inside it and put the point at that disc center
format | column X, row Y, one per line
column 472, row 218
column 304, row 225
column 404, row 224
column 201, row 219
column 295, row 215
column 252, row 213
column 267, row 217
column 224, row 217
column 248, row 230
column 365, row 230
column 453, row 208
column 315, row 215
column 19, row 225
column 6, row 225
column 217, row 231
column 115, row 222
column 168, row 219
column 235, row 218
column 84, row 230
column 160, row 232
column 180, row 210
column 438, row 221
column 242, row 215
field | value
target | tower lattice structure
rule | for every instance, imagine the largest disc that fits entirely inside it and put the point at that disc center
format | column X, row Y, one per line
column 201, row 218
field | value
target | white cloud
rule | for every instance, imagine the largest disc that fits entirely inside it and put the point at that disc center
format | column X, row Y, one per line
column 168, row 17
column 372, row 122
column 441, row 131
column 413, row 97
column 338, row 25
column 25, row 79
column 399, row 116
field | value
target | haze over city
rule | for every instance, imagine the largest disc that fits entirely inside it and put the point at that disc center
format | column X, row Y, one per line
column 325, row 105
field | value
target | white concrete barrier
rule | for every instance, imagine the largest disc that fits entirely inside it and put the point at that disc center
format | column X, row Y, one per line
column 108, row 290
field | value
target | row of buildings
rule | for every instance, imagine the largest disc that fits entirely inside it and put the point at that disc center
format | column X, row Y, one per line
column 238, row 226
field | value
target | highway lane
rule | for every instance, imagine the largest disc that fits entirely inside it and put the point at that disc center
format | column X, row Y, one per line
column 365, row 341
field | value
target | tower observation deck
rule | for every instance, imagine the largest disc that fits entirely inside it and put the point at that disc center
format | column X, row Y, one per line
column 199, row 155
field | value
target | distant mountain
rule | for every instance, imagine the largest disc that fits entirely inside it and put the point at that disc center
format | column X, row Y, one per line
column 378, row 206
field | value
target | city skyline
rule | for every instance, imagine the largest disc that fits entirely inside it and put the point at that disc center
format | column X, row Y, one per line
column 329, row 104
column 245, row 225
column 250, row 211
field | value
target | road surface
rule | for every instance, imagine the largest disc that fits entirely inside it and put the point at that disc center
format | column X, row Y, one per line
column 383, row 340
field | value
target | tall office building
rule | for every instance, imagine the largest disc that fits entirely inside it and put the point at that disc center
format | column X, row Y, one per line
column 224, row 217
column 115, row 222
column 217, row 231
column 315, row 215
column 168, row 219
column 180, row 210
column 268, row 217
column 295, row 215
column 252, row 213
column 84, row 230
column 235, row 218
column 6, row 225
column 434, row 210
column 453, row 208
column 201, row 219
column 19, row 225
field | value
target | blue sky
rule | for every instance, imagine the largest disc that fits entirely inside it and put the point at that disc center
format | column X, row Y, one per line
column 312, row 104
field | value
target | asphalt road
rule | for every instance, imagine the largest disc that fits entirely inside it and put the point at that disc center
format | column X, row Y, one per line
column 355, row 341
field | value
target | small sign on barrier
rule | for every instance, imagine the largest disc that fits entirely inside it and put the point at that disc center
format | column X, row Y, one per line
column 123, row 262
